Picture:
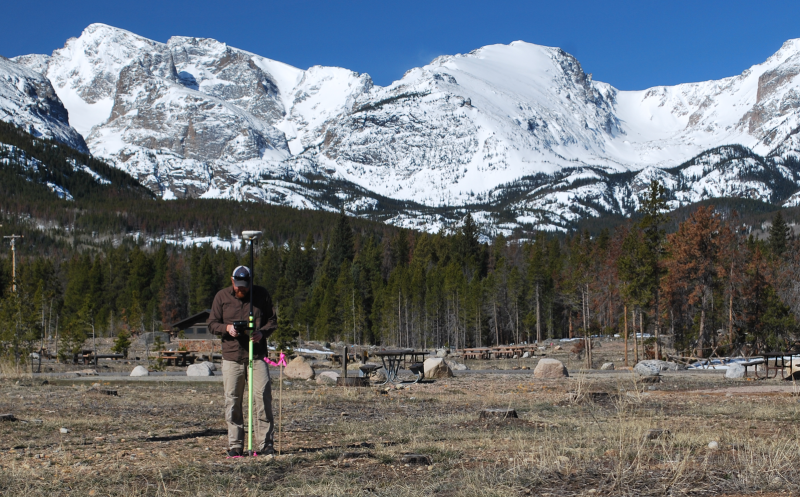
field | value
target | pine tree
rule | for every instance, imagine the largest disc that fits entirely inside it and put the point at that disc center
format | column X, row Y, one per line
column 653, row 209
column 779, row 235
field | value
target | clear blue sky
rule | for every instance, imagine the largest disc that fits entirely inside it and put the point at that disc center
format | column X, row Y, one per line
column 631, row 44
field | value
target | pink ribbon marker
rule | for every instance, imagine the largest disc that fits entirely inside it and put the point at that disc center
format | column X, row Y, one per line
column 281, row 361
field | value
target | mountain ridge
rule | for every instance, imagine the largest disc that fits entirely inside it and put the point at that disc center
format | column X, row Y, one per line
column 193, row 117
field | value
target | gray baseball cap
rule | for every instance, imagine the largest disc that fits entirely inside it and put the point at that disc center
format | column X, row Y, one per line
column 241, row 277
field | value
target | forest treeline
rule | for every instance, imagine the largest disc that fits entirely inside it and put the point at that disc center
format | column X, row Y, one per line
column 705, row 287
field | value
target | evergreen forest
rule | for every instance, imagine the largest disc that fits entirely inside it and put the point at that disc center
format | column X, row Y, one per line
column 698, row 281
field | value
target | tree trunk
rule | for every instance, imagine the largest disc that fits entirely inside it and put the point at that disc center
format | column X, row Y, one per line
column 496, row 332
column 538, row 318
column 625, row 313
column 730, row 321
column 658, row 326
column 702, row 335
column 635, row 340
column 570, row 325
column 641, row 332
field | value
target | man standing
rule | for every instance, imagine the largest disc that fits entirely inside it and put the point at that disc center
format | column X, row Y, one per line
column 231, row 305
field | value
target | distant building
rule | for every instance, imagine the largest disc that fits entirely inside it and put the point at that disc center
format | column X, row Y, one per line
column 194, row 327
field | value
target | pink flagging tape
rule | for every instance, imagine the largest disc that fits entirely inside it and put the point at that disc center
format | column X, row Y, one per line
column 281, row 361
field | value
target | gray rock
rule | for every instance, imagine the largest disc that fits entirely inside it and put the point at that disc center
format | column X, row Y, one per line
column 662, row 365
column 140, row 371
column 299, row 369
column 64, row 431
column 199, row 370
column 455, row 366
column 644, row 369
column 735, row 371
column 526, row 355
column 713, row 445
column 380, row 375
column 210, row 365
column 441, row 353
column 327, row 378
column 550, row 368
column 608, row 366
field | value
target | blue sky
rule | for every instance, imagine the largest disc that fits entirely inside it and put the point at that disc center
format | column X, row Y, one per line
column 630, row 44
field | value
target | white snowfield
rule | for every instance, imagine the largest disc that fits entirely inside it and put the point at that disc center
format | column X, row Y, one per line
column 195, row 117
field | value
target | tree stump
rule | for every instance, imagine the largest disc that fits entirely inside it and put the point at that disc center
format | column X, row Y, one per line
column 498, row 414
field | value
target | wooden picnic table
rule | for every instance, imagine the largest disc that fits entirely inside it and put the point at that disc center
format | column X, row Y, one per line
column 779, row 363
column 391, row 360
column 477, row 353
column 506, row 352
column 414, row 357
column 177, row 357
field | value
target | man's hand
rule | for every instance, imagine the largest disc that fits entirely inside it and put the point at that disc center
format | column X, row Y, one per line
column 256, row 336
column 232, row 331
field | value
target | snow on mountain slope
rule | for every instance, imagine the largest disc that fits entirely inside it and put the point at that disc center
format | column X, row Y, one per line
column 465, row 123
column 516, row 130
column 758, row 109
column 27, row 100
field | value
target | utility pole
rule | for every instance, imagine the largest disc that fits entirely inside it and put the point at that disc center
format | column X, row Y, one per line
column 13, row 239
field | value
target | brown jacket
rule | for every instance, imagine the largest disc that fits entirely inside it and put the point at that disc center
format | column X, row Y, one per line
column 227, row 308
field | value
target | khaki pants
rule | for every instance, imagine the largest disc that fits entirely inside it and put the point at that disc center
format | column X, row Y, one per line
column 234, row 380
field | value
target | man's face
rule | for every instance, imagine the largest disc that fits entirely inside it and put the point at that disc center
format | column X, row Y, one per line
column 240, row 291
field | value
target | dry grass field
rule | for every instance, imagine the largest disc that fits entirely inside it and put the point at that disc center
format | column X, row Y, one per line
column 168, row 438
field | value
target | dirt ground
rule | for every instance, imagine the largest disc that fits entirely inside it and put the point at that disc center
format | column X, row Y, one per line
column 589, row 434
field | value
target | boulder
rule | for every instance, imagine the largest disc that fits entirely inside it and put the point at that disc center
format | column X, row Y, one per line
column 140, row 371
column 199, row 370
column 442, row 353
column 550, row 368
column 299, row 369
column 735, row 371
column 327, row 378
column 435, row 367
column 209, row 365
column 644, row 369
column 455, row 366
column 558, row 347
column 607, row 366
column 526, row 355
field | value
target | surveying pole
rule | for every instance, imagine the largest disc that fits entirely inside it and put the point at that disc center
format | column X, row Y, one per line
column 250, row 236
column 13, row 239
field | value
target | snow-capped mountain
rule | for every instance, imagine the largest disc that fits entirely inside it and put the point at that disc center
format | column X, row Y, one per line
column 517, row 134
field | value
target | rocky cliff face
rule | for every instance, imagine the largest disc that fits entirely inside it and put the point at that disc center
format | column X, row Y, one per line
column 28, row 100
column 518, row 134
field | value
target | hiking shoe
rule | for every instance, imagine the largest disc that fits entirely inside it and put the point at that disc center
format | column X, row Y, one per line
column 235, row 452
column 267, row 451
